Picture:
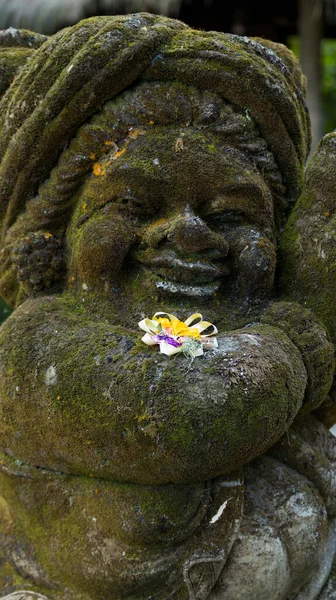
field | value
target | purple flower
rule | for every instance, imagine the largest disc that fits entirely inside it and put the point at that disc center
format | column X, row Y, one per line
column 163, row 337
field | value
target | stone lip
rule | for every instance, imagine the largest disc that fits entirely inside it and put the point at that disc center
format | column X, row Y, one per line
column 193, row 276
column 172, row 263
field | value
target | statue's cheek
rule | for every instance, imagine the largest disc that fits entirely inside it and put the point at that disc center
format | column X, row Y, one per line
column 100, row 250
column 255, row 266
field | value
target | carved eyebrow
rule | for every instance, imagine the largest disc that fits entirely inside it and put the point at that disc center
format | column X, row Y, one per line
column 109, row 202
column 247, row 199
column 142, row 182
column 249, row 190
column 119, row 198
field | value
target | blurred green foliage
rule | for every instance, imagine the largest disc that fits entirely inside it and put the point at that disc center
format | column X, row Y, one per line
column 329, row 84
column 328, row 79
column 5, row 311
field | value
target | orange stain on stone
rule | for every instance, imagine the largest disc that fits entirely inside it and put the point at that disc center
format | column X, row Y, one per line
column 99, row 170
column 119, row 153
column 134, row 133
column 157, row 223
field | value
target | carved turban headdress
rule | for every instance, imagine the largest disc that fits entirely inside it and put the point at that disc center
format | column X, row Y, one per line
column 66, row 80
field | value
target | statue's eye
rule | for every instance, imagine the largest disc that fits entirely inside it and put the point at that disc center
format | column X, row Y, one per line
column 133, row 207
column 130, row 203
column 225, row 218
column 129, row 206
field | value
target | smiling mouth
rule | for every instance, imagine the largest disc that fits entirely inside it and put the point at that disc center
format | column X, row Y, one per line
column 192, row 278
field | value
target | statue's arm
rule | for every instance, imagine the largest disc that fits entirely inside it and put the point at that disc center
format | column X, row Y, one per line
column 81, row 396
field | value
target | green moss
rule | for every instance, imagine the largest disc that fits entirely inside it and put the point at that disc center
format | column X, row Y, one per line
column 11, row 62
column 10, row 580
column 212, row 148
column 168, row 420
column 90, row 534
column 316, row 349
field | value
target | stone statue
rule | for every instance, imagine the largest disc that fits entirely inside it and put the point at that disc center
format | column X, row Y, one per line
column 147, row 167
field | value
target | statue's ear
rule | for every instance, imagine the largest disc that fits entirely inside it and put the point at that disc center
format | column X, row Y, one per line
column 308, row 246
column 16, row 47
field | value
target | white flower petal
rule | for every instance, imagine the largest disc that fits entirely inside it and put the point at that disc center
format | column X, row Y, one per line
column 203, row 325
column 193, row 318
column 148, row 325
column 149, row 339
column 168, row 349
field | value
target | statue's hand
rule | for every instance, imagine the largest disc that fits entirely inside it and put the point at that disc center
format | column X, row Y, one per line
column 311, row 338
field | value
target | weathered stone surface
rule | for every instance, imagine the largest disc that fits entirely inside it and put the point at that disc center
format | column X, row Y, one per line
column 277, row 540
column 329, row 591
column 67, row 413
column 310, row 449
column 16, row 47
column 148, row 167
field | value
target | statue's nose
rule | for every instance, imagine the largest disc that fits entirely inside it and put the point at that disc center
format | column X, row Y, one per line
column 189, row 233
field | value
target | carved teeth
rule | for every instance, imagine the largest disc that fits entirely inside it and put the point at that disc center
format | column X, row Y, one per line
column 179, row 289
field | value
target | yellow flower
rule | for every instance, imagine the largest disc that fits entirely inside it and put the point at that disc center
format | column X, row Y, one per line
column 177, row 327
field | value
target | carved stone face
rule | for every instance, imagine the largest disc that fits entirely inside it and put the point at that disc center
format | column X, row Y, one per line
column 175, row 218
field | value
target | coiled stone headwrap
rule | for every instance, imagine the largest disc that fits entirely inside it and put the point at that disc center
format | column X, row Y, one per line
column 70, row 77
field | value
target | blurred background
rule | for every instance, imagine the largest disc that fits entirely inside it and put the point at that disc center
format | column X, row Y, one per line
column 308, row 27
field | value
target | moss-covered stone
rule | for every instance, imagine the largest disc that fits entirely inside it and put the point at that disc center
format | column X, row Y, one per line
column 124, row 190
column 315, row 346
column 11, row 61
column 96, row 537
column 17, row 46
column 69, row 406
column 79, row 69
